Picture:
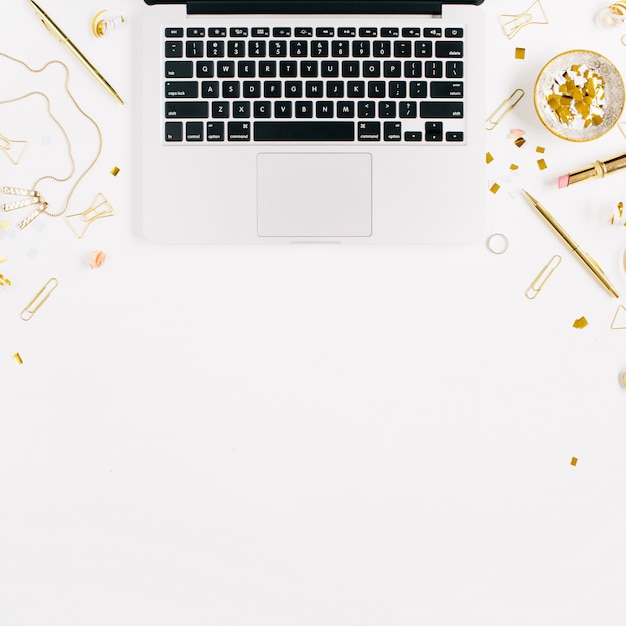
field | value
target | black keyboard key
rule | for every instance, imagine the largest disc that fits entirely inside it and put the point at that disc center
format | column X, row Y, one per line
column 433, row 69
column 288, row 69
column 411, row 32
column 402, row 48
column 371, row 69
column 369, row 131
column 215, row 49
column 217, row 32
column 309, row 69
column 241, row 109
column 350, row 69
column 392, row 69
column 397, row 89
column 330, row 69
column 238, row 131
column 210, row 89
column 389, row 32
column 303, row 32
column 194, row 49
column 361, row 49
column 346, row 32
column 335, row 89
column 304, row 131
column 281, row 32
column 231, row 89
column 272, row 89
column 454, row 69
column 186, row 110
column 236, row 48
column 251, row 89
column 173, row 49
column 194, row 131
column 454, row 32
column 387, row 110
column 345, row 109
column 324, row 109
column 382, row 49
column 261, row 32
column 267, row 69
column 340, row 48
column 220, row 110
column 356, row 89
column 446, row 89
column 178, row 69
column 304, row 109
column 441, row 110
column 412, row 136
column 324, row 32
column 299, row 48
column 174, row 32
column 367, row 109
column 196, row 32
column 408, row 109
column 293, row 89
column 226, row 69
column 392, row 131
column 454, row 136
column 215, row 131
column 314, row 89
column 173, row 131
column 368, row 32
column 278, row 48
column 262, row 109
column 449, row 49
column 257, row 49
column 282, row 110
column 246, row 69
column 432, row 32
column 204, row 69
column 238, row 32
column 319, row 48
column 434, row 131
column 181, row 89
column 376, row 89
column 423, row 49
column 418, row 89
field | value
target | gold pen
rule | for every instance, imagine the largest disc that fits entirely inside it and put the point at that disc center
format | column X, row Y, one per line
column 583, row 256
column 57, row 33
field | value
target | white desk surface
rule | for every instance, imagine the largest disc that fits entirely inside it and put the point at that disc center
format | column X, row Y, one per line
column 297, row 435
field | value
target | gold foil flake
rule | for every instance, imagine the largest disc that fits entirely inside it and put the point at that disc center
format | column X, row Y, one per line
column 5, row 224
column 618, row 218
column 114, row 171
column 580, row 323
column 489, row 158
column 542, row 164
column 520, row 53
column 519, row 142
column 4, row 281
column 512, row 24
column 494, row 188
column 540, row 149
column 577, row 97
column 513, row 167
column 18, row 359
column 574, row 461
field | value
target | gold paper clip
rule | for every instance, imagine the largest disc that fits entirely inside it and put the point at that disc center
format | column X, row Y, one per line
column 100, row 207
column 32, row 197
column 537, row 285
column 510, row 103
column 512, row 24
column 42, row 295
column 7, row 146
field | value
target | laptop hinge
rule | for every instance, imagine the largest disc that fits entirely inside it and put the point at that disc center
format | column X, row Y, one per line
column 319, row 7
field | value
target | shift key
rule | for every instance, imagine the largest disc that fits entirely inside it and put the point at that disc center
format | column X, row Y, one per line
column 186, row 110
column 433, row 110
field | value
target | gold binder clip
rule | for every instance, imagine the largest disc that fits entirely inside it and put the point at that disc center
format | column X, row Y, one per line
column 537, row 285
column 507, row 105
column 100, row 207
column 512, row 24
column 32, row 197
column 42, row 295
column 11, row 148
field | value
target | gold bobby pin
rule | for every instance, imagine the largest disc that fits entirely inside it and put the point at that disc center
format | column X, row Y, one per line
column 42, row 295
column 6, row 145
column 537, row 285
column 512, row 24
column 100, row 207
column 507, row 105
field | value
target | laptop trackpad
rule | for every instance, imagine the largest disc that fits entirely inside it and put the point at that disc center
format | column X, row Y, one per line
column 314, row 195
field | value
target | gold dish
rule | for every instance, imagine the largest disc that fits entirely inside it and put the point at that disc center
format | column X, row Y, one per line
column 579, row 95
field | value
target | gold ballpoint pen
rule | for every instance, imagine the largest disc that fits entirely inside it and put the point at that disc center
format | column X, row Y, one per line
column 57, row 33
column 583, row 256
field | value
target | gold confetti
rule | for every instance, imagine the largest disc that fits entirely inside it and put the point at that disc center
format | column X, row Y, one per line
column 5, row 224
column 581, row 323
column 574, row 461
column 489, row 158
column 620, row 213
column 540, row 149
column 115, row 170
column 513, row 167
column 520, row 53
column 495, row 188
column 18, row 359
column 519, row 142
column 4, row 281
column 542, row 164
column 3, row 259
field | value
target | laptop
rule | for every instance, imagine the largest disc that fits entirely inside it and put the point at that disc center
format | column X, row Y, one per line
column 310, row 121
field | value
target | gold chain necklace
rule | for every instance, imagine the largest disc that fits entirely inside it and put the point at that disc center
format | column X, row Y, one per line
column 36, row 198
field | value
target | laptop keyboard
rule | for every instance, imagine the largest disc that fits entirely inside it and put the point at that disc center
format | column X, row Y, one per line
column 324, row 84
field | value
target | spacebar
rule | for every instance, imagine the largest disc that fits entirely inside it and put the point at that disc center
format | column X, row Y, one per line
column 304, row 131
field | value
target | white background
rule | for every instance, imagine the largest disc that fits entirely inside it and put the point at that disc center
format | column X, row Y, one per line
column 298, row 435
